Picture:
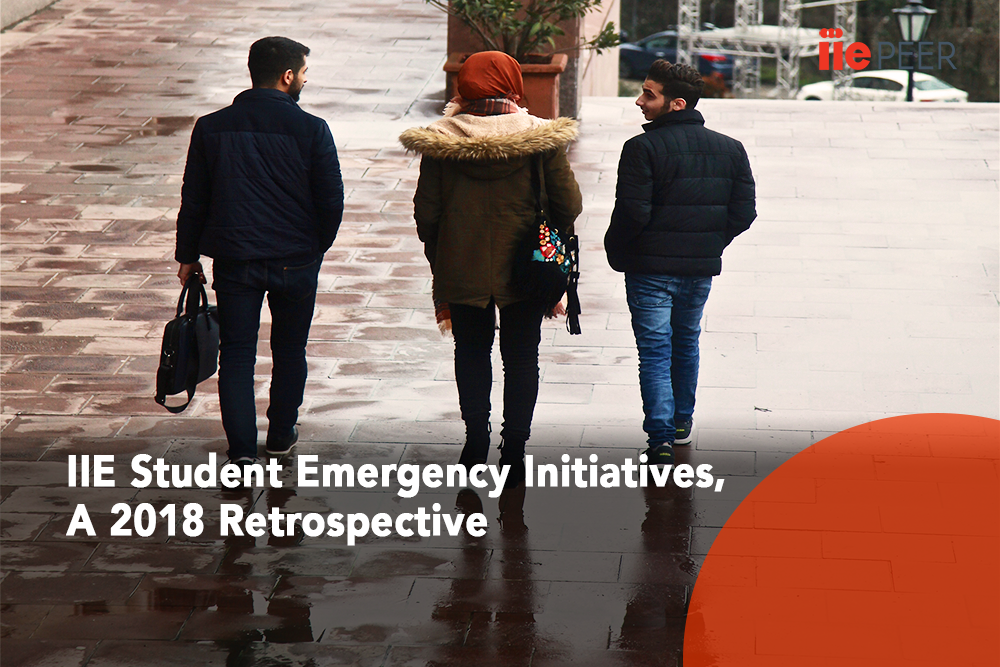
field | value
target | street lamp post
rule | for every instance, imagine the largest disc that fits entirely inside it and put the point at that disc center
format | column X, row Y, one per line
column 913, row 21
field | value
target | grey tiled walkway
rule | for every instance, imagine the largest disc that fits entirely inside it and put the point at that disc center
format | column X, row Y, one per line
column 867, row 288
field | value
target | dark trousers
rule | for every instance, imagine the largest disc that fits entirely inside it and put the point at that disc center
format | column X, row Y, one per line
column 520, row 334
column 240, row 287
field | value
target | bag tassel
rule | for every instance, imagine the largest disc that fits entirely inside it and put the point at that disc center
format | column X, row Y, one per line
column 573, row 304
column 573, row 309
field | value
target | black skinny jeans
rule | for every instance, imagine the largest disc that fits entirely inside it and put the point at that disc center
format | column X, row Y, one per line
column 520, row 334
column 240, row 286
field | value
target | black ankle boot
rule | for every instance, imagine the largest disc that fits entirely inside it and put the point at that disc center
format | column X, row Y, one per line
column 477, row 447
column 512, row 454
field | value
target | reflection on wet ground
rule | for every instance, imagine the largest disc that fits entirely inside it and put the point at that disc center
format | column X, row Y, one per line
column 561, row 576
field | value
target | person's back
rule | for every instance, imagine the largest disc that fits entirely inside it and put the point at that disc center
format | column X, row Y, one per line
column 263, row 197
column 474, row 204
column 684, row 193
column 262, row 178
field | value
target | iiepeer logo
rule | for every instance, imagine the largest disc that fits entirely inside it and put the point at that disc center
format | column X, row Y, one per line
column 858, row 55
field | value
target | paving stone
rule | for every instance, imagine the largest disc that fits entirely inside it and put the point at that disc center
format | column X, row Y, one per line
column 73, row 364
column 123, row 448
column 101, row 384
column 62, row 499
column 41, row 345
column 97, row 620
column 303, row 653
column 120, row 653
column 47, row 557
column 71, row 588
column 20, row 621
column 55, row 652
column 154, row 559
column 21, row 526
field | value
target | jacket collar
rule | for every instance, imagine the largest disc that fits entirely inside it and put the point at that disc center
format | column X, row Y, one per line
column 689, row 116
column 551, row 135
column 260, row 94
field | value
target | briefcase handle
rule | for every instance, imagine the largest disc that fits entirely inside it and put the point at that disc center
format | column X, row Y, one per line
column 193, row 298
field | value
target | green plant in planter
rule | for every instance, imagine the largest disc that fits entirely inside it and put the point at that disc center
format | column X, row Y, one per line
column 523, row 29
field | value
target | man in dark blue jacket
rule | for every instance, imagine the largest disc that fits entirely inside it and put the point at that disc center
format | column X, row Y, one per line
column 263, row 197
column 684, row 193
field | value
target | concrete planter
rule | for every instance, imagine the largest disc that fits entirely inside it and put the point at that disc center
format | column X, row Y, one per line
column 541, row 83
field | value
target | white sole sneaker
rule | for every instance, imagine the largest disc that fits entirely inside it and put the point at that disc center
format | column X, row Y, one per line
column 686, row 440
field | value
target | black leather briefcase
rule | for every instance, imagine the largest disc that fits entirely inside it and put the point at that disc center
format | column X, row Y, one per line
column 190, row 350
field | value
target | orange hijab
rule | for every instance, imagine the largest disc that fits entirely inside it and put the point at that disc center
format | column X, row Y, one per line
column 490, row 74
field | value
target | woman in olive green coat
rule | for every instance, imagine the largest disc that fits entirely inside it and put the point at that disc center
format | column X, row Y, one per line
column 473, row 205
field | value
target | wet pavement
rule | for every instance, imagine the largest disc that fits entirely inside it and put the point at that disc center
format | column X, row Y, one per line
column 866, row 289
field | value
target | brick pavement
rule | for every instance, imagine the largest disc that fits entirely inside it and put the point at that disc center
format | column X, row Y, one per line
column 867, row 288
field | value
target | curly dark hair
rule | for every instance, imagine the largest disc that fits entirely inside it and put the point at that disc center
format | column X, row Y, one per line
column 678, row 81
column 273, row 56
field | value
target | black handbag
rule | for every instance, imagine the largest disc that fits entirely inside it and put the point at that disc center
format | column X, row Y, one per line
column 546, row 262
column 190, row 350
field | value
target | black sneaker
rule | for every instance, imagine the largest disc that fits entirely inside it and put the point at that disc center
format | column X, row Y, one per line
column 660, row 455
column 684, row 430
column 281, row 446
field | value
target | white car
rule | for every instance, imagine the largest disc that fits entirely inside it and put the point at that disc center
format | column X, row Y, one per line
column 885, row 85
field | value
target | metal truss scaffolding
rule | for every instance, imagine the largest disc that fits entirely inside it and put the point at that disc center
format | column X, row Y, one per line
column 748, row 14
column 749, row 41
column 845, row 17
column 688, row 23
column 787, row 70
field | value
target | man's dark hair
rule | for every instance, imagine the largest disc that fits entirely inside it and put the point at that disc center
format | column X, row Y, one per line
column 678, row 81
column 273, row 56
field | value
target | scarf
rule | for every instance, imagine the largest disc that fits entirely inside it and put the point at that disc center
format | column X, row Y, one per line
column 489, row 106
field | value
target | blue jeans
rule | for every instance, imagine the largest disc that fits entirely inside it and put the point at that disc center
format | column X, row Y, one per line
column 240, row 287
column 666, row 319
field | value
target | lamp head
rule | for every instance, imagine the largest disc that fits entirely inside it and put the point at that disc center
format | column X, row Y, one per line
column 913, row 19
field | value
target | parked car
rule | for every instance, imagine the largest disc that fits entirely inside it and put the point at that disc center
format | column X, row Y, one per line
column 634, row 59
column 886, row 85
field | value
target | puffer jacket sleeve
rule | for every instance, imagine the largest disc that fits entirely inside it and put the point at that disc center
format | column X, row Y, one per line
column 565, row 200
column 327, row 186
column 742, row 200
column 428, row 206
column 196, row 195
column 634, row 195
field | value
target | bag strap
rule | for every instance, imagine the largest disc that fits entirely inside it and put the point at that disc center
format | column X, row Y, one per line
column 181, row 300
column 538, row 184
column 197, row 298
column 162, row 400
column 573, row 309
column 193, row 297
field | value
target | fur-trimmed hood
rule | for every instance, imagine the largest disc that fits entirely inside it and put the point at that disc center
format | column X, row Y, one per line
column 488, row 138
column 475, row 203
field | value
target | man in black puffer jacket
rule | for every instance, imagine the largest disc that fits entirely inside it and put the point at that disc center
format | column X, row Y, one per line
column 263, row 196
column 684, row 193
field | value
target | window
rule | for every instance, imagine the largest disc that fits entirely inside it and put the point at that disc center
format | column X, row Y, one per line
column 864, row 82
column 661, row 43
column 931, row 84
column 887, row 84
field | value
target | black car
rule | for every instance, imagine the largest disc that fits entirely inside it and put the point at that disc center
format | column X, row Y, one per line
column 634, row 59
